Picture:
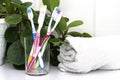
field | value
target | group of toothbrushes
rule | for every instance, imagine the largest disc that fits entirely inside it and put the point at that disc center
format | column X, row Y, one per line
column 35, row 57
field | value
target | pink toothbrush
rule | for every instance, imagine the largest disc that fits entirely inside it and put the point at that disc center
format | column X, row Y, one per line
column 41, row 18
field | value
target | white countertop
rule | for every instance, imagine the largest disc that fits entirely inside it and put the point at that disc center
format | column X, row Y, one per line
column 7, row 72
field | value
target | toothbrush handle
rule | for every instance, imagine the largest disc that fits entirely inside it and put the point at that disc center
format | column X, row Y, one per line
column 36, row 42
column 41, row 62
column 33, row 30
column 41, row 51
column 30, row 55
column 30, row 65
column 34, row 36
column 45, row 38
column 33, row 59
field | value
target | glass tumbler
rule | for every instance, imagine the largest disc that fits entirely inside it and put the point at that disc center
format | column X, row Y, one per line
column 38, row 65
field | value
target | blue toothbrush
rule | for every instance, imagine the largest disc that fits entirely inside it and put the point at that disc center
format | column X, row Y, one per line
column 30, row 17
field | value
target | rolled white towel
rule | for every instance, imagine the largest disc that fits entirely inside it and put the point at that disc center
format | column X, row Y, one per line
column 93, row 53
column 67, row 53
column 67, row 58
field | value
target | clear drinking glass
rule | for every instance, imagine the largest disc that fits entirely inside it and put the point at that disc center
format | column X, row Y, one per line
column 41, row 63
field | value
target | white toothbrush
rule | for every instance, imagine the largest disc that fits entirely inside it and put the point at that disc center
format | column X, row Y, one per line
column 43, row 9
column 41, row 18
column 51, row 19
column 41, row 54
column 30, row 17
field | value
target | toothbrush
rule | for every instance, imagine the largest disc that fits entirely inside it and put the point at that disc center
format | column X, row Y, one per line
column 52, row 16
column 43, row 9
column 30, row 17
column 41, row 54
column 57, row 18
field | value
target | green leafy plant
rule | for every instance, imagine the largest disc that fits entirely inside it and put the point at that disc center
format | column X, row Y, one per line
column 20, row 27
column 13, row 8
column 15, row 14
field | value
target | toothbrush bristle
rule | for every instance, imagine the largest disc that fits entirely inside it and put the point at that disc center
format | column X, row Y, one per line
column 58, row 10
column 58, row 16
column 28, row 10
column 30, row 13
column 43, row 7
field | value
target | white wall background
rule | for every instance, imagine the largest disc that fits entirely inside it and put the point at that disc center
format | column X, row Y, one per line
column 101, row 17
column 80, row 10
column 107, row 17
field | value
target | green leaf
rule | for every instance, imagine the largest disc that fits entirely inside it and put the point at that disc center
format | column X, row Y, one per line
column 62, row 24
column 11, row 34
column 27, row 4
column 61, row 27
column 86, row 35
column 16, row 1
column 66, row 19
column 56, row 42
column 27, row 32
column 51, row 4
column 9, row 6
column 21, row 7
column 15, row 53
column 13, row 19
column 75, row 23
column 58, row 31
column 2, row 10
column 75, row 34
column 1, row 1
column 43, row 32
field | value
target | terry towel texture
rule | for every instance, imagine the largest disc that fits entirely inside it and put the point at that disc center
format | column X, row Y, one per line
column 85, row 54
